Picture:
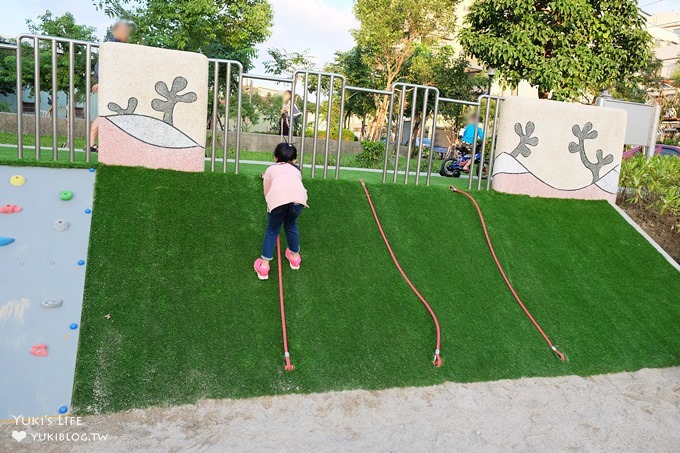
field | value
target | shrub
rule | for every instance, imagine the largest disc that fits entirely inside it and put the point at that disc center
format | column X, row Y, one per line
column 371, row 155
column 653, row 183
column 347, row 135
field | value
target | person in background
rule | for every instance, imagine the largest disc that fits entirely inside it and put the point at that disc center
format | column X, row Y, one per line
column 286, row 197
column 120, row 32
column 286, row 120
column 468, row 139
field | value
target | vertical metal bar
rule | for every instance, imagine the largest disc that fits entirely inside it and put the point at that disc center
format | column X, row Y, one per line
column 492, row 151
column 400, row 130
column 340, row 128
column 55, row 93
column 474, row 144
column 20, row 103
column 291, row 109
column 422, row 136
column 481, row 154
column 301, row 157
column 316, row 124
column 36, row 97
column 328, row 127
column 215, row 108
column 227, row 104
column 88, row 100
column 71, row 103
column 410, row 134
column 434, row 132
column 239, row 120
column 389, row 136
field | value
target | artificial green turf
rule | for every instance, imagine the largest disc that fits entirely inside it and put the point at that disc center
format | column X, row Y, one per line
column 170, row 260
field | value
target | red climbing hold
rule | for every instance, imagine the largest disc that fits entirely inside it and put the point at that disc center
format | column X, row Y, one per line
column 10, row 209
column 39, row 350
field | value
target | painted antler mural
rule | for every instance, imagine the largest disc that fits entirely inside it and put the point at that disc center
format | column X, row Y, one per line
column 587, row 133
column 129, row 110
column 525, row 140
column 172, row 97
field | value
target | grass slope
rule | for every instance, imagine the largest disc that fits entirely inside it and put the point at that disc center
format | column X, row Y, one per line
column 171, row 254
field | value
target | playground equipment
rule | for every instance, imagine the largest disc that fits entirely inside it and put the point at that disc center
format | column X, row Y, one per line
column 286, row 353
column 437, row 352
column 553, row 149
column 553, row 348
column 50, row 233
column 166, row 95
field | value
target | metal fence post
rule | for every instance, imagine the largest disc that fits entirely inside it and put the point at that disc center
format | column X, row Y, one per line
column 71, row 103
column 340, row 127
column 36, row 96
column 55, row 94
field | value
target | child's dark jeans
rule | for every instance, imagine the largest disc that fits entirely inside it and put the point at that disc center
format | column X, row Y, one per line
column 287, row 216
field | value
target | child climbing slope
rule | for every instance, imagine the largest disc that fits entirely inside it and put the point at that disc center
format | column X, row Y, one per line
column 286, row 197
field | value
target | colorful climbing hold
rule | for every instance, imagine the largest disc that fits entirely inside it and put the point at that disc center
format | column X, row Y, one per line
column 63, row 409
column 81, row 262
column 91, row 169
column 66, row 195
column 73, row 326
column 88, row 211
column 10, row 209
column 52, row 303
column 39, row 350
column 17, row 180
column 5, row 241
column 60, row 225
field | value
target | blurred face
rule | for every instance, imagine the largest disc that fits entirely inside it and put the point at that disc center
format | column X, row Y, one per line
column 286, row 97
column 122, row 32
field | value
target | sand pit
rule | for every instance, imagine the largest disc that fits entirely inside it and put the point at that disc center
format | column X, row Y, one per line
column 617, row 412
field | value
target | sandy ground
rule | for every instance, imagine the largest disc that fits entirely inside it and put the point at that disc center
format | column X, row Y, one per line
column 618, row 412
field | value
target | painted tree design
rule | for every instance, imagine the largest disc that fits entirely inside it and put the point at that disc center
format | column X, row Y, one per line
column 129, row 110
column 587, row 133
column 172, row 97
column 525, row 139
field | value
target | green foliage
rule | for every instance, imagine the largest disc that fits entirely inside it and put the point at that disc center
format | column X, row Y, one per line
column 372, row 155
column 228, row 29
column 568, row 49
column 284, row 62
column 653, row 183
column 352, row 64
column 347, row 135
column 48, row 24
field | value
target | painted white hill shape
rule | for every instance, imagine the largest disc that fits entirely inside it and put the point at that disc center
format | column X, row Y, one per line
column 505, row 163
column 610, row 181
column 152, row 131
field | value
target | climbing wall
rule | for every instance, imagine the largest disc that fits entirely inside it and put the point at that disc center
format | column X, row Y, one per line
column 45, row 218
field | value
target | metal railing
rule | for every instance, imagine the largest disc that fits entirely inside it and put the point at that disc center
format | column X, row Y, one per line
column 227, row 84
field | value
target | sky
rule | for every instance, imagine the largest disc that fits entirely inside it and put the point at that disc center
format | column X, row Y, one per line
column 322, row 26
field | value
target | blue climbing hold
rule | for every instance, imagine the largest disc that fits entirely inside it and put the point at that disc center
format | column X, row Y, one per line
column 5, row 241
column 88, row 211
column 63, row 409
column 73, row 326
column 81, row 262
column 91, row 169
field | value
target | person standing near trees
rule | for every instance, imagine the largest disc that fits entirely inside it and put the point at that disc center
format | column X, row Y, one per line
column 120, row 32
column 288, row 120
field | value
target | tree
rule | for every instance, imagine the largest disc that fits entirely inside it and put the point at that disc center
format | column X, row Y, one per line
column 357, row 72
column 60, row 26
column 566, row 48
column 390, row 31
column 285, row 62
column 227, row 29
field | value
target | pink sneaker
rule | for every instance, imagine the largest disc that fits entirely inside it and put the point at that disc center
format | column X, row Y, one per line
column 294, row 262
column 262, row 272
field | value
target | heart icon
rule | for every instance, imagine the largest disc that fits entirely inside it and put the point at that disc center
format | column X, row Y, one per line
column 39, row 350
column 19, row 435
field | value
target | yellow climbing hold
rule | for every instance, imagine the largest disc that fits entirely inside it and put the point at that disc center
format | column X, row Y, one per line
column 17, row 180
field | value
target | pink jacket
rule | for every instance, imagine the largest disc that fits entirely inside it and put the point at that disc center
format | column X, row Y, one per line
column 283, row 185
